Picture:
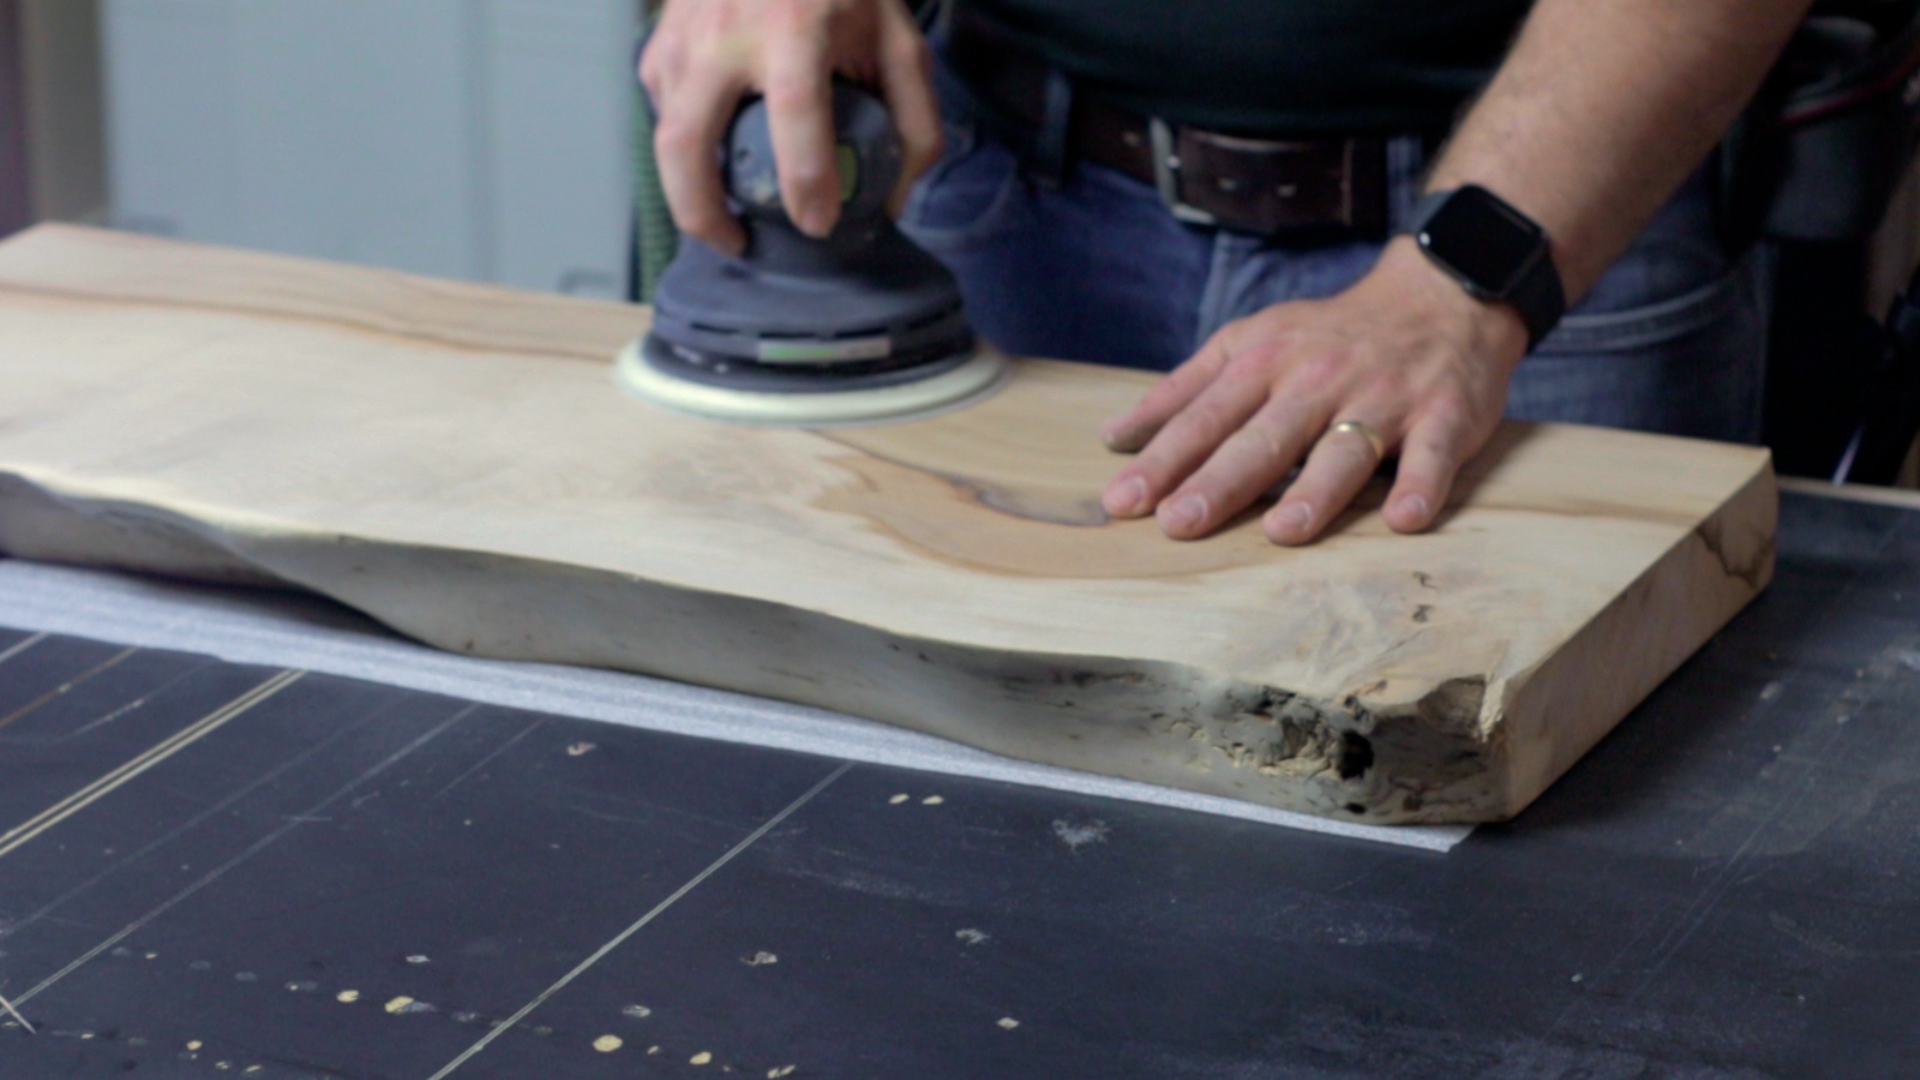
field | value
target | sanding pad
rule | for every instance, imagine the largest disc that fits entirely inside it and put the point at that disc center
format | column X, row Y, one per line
column 983, row 372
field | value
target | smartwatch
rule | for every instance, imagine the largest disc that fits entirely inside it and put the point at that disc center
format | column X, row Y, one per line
column 1494, row 251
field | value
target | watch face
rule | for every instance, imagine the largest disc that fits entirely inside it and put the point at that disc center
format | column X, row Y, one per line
column 1483, row 240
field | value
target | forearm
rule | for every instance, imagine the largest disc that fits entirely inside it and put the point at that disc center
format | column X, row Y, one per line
column 1602, row 109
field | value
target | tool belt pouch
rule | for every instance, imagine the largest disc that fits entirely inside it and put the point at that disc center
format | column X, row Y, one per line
column 1818, row 154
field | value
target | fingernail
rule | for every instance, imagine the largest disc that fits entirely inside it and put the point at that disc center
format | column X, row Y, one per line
column 1111, row 431
column 1293, row 517
column 818, row 221
column 1186, row 512
column 1412, row 506
column 1127, row 498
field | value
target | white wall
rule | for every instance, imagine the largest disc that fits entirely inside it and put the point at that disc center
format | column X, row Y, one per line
column 483, row 139
column 60, row 47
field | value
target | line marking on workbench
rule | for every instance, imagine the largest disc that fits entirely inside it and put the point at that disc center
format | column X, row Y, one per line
column 600, row 953
column 15, row 1013
column 64, row 687
column 293, row 822
column 109, row 717
column 485, row 761
column 13, row 838
column 22, row 646
column 193, row 822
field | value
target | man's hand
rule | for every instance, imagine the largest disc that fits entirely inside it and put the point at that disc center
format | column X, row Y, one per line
column 1405, row 351
column 706, row 54
column 1597, row 115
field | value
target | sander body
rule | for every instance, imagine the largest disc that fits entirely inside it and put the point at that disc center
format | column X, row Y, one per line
column 860, row 326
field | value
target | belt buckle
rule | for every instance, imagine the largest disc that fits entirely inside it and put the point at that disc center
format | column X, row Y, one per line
column 1166, row 174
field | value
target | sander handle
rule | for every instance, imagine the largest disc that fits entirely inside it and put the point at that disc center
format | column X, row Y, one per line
column 867, row 152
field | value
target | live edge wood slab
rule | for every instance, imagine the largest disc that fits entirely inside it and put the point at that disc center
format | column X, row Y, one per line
column 456, row 462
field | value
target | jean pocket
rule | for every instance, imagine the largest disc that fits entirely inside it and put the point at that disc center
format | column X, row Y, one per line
column 1652, row 324
column 1692, row 364
column 967, row 196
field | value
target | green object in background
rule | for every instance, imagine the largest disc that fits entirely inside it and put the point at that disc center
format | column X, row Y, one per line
column 655, row 238
column 847, row 161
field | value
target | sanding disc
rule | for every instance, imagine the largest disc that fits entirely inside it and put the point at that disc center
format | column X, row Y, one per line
column 949, row 388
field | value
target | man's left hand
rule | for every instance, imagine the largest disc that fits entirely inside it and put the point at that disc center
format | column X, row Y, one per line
column 1405, row 352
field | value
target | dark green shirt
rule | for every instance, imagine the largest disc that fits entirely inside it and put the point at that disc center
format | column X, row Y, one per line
column 1274, row 65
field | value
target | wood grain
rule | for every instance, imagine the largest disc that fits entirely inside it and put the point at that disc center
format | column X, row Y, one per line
column 454, row 461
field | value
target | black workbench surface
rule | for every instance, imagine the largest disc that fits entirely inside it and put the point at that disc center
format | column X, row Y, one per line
column 343, row 879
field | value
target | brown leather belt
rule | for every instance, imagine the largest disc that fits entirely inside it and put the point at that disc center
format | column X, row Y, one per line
column 1264, row 186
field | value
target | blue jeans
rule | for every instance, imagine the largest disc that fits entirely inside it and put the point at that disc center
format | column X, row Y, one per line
column 1672, row 338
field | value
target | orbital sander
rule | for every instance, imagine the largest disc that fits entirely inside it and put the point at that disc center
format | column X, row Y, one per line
column 858, row 327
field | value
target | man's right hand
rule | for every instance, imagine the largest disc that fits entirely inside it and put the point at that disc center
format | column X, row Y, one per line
column 705, row 55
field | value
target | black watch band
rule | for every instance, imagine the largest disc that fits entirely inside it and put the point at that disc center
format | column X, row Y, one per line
column 1494, row 251
column 1539, row 299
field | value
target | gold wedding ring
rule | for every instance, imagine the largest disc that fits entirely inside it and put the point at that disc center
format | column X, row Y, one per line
column 1356, row 427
